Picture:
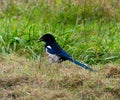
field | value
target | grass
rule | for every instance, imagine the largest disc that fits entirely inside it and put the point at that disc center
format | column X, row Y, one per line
column 89, row 30
column 23, row 79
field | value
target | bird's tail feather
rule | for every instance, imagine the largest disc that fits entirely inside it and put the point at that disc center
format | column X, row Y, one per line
column 80, row 64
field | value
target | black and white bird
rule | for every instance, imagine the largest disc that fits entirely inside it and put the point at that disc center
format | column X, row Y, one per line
column 56, row 53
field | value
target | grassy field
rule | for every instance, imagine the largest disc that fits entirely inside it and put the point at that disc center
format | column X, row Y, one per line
column 89, row 30
column 22, row 79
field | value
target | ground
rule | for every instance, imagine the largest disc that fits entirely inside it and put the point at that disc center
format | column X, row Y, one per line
column 24, row 79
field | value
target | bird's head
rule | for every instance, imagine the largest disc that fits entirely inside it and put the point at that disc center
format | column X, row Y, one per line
column 47, row 38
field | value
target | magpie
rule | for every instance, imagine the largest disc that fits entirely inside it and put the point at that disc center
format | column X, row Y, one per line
column 56, row 53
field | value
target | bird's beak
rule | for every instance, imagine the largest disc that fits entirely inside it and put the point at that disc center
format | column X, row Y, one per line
column 39, row 40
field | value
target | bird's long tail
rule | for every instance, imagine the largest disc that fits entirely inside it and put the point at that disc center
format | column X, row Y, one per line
column 80, row 64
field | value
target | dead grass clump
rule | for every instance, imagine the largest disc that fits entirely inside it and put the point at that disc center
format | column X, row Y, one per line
column 88, row 94
column 15, row 94
column 113, row 72
column 72, row 81
column 48, row 94
column 53, row 84
column 113, row 90
column 8, row 62
column 7, row 83
column 94, row 83
column 21, row 81
column 60, row 95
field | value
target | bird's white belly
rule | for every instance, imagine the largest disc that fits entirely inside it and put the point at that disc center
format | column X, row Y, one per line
column 52, row 58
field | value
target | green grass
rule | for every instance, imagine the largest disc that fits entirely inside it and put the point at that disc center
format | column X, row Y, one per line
column 88, row 31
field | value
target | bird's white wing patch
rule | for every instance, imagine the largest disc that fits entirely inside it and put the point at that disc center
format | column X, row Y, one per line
column 49, row 47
